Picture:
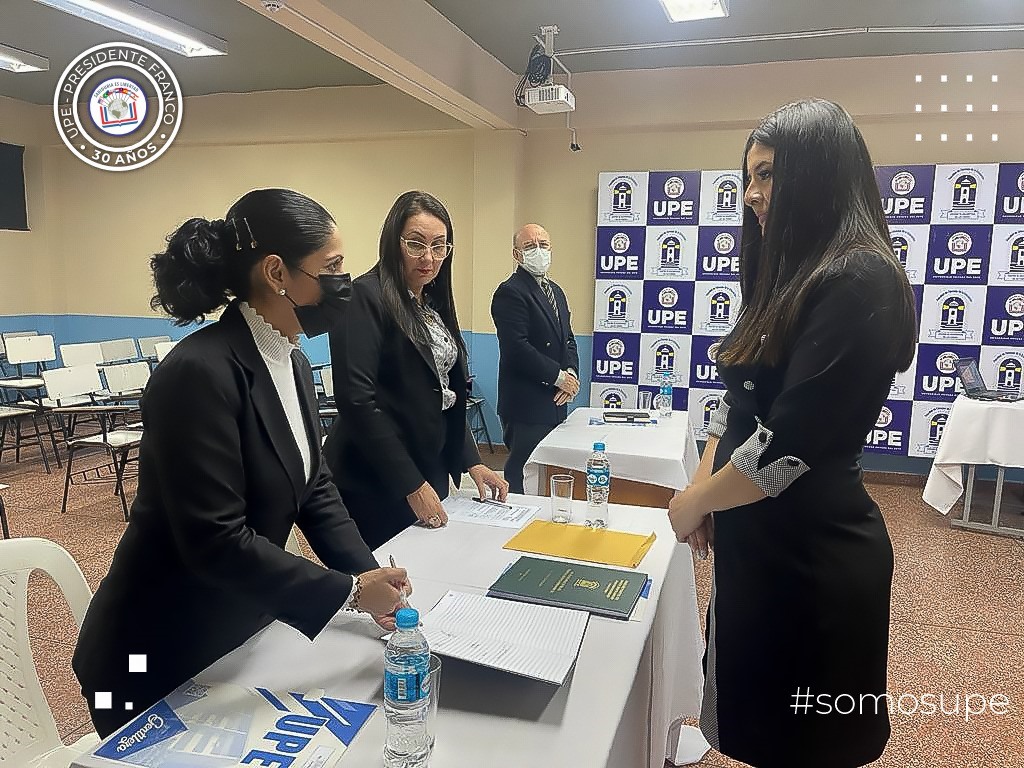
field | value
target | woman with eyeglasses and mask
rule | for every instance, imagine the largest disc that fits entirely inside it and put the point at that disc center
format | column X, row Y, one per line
column 401, row 382
column 230, row 460
column 798, row 624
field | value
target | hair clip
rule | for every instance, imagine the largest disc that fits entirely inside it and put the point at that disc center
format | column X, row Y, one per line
column 252, row 240
column 238, row 240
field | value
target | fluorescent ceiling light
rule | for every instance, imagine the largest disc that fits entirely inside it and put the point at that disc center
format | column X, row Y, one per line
column 139, row 22
column 692, row 10
column 16, row 60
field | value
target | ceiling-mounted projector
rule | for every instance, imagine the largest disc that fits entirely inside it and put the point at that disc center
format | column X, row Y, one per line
column 547, row 99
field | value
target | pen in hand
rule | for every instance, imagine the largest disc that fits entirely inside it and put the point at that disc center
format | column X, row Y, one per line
column 402, row 592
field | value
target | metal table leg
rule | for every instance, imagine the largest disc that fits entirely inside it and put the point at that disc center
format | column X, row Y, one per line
column 1000, row 473
column 970, row 492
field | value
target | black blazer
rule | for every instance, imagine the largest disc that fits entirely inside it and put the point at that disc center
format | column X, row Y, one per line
column 391, row 434
column 534, row 346
column 202, row 565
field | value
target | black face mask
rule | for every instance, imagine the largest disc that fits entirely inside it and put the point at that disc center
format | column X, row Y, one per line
column 328, row 313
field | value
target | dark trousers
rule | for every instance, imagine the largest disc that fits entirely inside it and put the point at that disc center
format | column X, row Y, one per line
column 520, row 439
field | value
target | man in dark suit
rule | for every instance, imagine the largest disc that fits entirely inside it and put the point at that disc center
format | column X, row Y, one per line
column 537, row 374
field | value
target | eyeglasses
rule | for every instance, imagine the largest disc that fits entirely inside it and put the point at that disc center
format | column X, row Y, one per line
column 437, row 251
column 335, row 267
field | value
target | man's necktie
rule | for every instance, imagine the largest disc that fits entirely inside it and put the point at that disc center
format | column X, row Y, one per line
column 550, row 293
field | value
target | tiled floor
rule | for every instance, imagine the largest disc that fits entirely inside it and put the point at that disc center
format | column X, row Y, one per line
column 957, row 616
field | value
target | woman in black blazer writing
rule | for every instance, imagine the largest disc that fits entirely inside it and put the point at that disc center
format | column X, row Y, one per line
column 400, row 379
column 230, row 459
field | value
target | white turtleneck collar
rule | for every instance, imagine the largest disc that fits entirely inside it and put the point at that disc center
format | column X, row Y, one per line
column 272, row 344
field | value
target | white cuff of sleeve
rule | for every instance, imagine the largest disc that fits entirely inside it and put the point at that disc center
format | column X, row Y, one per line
column 560, row 381
column 347, row 610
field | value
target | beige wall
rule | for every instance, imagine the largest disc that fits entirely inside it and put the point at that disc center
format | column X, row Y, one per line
column 26, row 277
column 356, row 149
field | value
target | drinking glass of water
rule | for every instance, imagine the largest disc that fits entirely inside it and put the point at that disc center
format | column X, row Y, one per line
column 561, row 498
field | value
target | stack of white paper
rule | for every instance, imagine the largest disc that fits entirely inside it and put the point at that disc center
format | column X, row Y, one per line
column 536, row 641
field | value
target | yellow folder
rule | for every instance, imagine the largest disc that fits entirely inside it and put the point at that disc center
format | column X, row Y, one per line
column 578, row 542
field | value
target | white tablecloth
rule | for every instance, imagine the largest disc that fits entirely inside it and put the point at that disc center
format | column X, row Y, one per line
column 632, row 678
column 662, row 454
column 977, row 432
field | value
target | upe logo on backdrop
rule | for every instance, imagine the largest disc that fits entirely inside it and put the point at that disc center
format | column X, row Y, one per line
column 613, row 398
column 615, row 363
column 946, row 382
column 901, row 241
column 1010, row 372
column 883, row 437
column 708, row 372
column 708, row 405
column 903, row 184
column 727, row 195
column 670, row 254
column 101, row 106
column 1010, row 327
column 722, row 300
column 665, row 351
column 1016, row 258
column 617, row 307
column 622, row 191
column 936, row 420
column 952, row 318
column 964, row 197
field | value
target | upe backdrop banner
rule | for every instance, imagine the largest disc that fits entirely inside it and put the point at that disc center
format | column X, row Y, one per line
column 667, row 288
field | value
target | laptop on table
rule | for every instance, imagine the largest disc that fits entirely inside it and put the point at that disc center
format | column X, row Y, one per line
column 974, row 384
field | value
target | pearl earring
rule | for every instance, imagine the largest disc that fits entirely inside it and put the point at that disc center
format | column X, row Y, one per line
column 281, row 292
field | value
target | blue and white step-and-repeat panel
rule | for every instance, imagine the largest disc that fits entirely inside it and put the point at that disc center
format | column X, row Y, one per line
column 667, row 288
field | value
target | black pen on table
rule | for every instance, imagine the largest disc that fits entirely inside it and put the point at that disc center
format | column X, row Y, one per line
column 492, row 501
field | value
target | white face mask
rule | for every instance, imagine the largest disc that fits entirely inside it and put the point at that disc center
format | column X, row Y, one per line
column 537, row 261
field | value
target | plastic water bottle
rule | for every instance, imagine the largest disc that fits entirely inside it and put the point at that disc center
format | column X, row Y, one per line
column 406, row 662
column 599, row 481
column 665, row 397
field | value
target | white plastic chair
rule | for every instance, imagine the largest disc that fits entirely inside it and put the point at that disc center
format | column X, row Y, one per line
column 126, row 379
column 28, row 733
column 28, row 350
column 66, row 384
column 119, row 350
column 162, row 348
column 147, row 346
column 90, row 353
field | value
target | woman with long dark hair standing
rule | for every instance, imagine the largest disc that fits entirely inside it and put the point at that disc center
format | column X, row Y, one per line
column 401, row 381
column 802, row 563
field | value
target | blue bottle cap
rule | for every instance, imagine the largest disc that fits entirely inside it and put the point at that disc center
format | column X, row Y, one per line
column 407, row 618
column 598, row 446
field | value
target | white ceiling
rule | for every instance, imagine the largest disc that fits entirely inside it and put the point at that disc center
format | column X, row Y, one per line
column 277, row 51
